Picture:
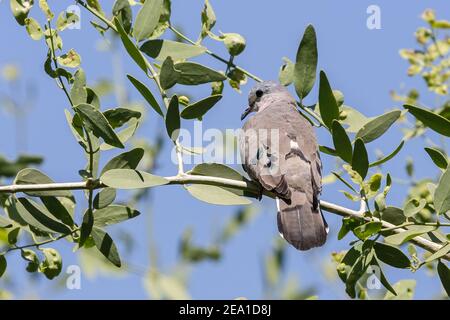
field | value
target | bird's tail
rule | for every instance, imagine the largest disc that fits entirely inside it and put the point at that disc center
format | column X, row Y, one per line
column 300, row 223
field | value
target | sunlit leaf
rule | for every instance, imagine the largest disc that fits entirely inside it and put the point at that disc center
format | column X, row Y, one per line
column 147, row 19
column 411, row 233
column 216, row 195
column 33, row 29
column 442, row 194
column 34, row 176
column 161, row 49
column 131, row 179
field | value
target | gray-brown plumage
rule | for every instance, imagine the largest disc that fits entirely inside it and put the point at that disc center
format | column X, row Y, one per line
column 279, row 150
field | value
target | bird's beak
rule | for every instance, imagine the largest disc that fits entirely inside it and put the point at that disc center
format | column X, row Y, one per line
column 246, row 112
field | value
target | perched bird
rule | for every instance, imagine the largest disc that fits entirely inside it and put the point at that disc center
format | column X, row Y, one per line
column 279, row 150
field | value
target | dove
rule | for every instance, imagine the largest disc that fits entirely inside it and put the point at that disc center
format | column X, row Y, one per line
column 279, row 151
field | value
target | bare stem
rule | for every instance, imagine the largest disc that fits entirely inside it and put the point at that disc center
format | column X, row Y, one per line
column 223, row 182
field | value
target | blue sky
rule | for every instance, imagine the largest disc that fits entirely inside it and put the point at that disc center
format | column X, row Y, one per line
column 364, row 64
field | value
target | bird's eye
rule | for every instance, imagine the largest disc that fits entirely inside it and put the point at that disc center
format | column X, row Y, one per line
column 259, row 93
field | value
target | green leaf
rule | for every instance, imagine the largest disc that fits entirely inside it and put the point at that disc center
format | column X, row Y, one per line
column 221, row 171
column 328, row 150
column 413, row 207
column 444, row 275
column 104, row 198
column 61, row 208
column 113, row 214
column 164, row 20
column 442, row 194
column 52, row 265
column 306, row 64
column 344, row 182
column 147, row 19
column 53, row 39
column 95, row 121
column 197, row 109
column 32, row 258
column 37, row 216
column 438, row 157
column 161, row 49
column 33, row 29
column 216, row 195
column 126, row 160
column 388, row 157
column 95, row 4
column 367, row 230
column 382, row 277
column 131, row 179
column 440, row 253
column 391, row 255
column 342, row 143
column 173, row 118
column 66, row 19
column 168, row 75
column 86, row 227
column 328, row 106
column 430, row 119
column 122, row 11
column 124, row 134
column 34, row 176
column 208, row 19
column 3, row 265
column 348, row 224
column 191, row 73
column 412, row 232
column 20, row 9
column 78, row 93
column 393, row 215
column 360, row 160
column 70, row 59
column 5, row 222
column 375, row 128
column 286, row 73
column 119, row 116
column 130, row 47
column 352, row 118
column 46, row 9
column 12, row 235
column 146, row 93
column 106, row 246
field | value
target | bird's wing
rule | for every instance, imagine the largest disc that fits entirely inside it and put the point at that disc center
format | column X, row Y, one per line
column 261, row 156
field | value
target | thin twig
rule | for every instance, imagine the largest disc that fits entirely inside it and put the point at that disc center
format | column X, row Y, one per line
column 223, row 182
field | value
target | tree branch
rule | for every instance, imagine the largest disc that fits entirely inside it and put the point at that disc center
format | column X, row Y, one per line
column 223, row 182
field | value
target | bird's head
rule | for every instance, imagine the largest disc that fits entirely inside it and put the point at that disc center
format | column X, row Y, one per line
column 259, row 94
